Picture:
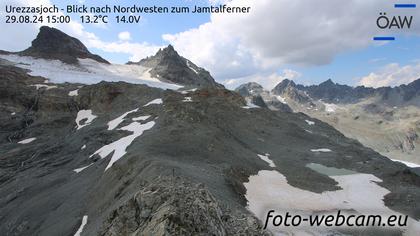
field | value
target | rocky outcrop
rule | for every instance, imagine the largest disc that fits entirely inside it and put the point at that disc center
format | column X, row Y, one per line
column 175, row 206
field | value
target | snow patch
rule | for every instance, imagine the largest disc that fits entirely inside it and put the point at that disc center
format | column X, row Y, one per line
column 270, row 190
column 330, row 108
column 117, row 121
column 47, row 87
column 74, row 93
column 187, row 91
column 80, row 230
column 189, row 66
column 156, row 101
column 26, row 141
column 88, row 72
column 310, row 122
column 321, row 150
column 13, row 113
column 82, row 168
column 83, row 147
column 118, row 148
column 281, row 99
column 267, row 159
column 250, row 105
column 187, row 99
column 86, row 116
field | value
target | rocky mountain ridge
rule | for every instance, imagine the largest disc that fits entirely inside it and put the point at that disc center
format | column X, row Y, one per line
column 331, row 92
column 385, row 119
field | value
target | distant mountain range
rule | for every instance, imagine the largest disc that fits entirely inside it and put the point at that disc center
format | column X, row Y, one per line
column 331, row 92
column 386, row 119
column 157, row 147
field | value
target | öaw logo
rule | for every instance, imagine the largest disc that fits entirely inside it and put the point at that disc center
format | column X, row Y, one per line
column 385, row 22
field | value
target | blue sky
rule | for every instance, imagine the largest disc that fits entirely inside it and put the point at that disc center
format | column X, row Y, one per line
column 353, row 64
column 304, row 40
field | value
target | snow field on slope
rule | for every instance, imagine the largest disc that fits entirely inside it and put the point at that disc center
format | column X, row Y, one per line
column 86, row 116
column 269, row 190
column 119, row 147
column 117, row 121
column 89, row 72
column 154, row 102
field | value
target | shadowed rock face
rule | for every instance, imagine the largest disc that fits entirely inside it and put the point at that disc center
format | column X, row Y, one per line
column 54, row 44
column 168, row 65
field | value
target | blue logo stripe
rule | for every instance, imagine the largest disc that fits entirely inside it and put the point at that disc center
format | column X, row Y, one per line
column 405, row 5
column 384, row 38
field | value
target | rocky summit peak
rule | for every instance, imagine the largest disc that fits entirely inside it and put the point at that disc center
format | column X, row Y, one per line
column 283, row 85
column 328, row 82
column 169, row 49
column 168, row 65
column 52, row 43
column 287, row 82
column 249, row 89
column 168, row 53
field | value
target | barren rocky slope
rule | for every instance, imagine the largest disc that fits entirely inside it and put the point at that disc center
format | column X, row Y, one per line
column 117, row 158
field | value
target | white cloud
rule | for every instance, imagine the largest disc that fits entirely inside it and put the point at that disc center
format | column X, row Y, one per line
column 391, row 75
column 124, row 36
column 136, row 50
column 268, row 81
column 280, row 32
